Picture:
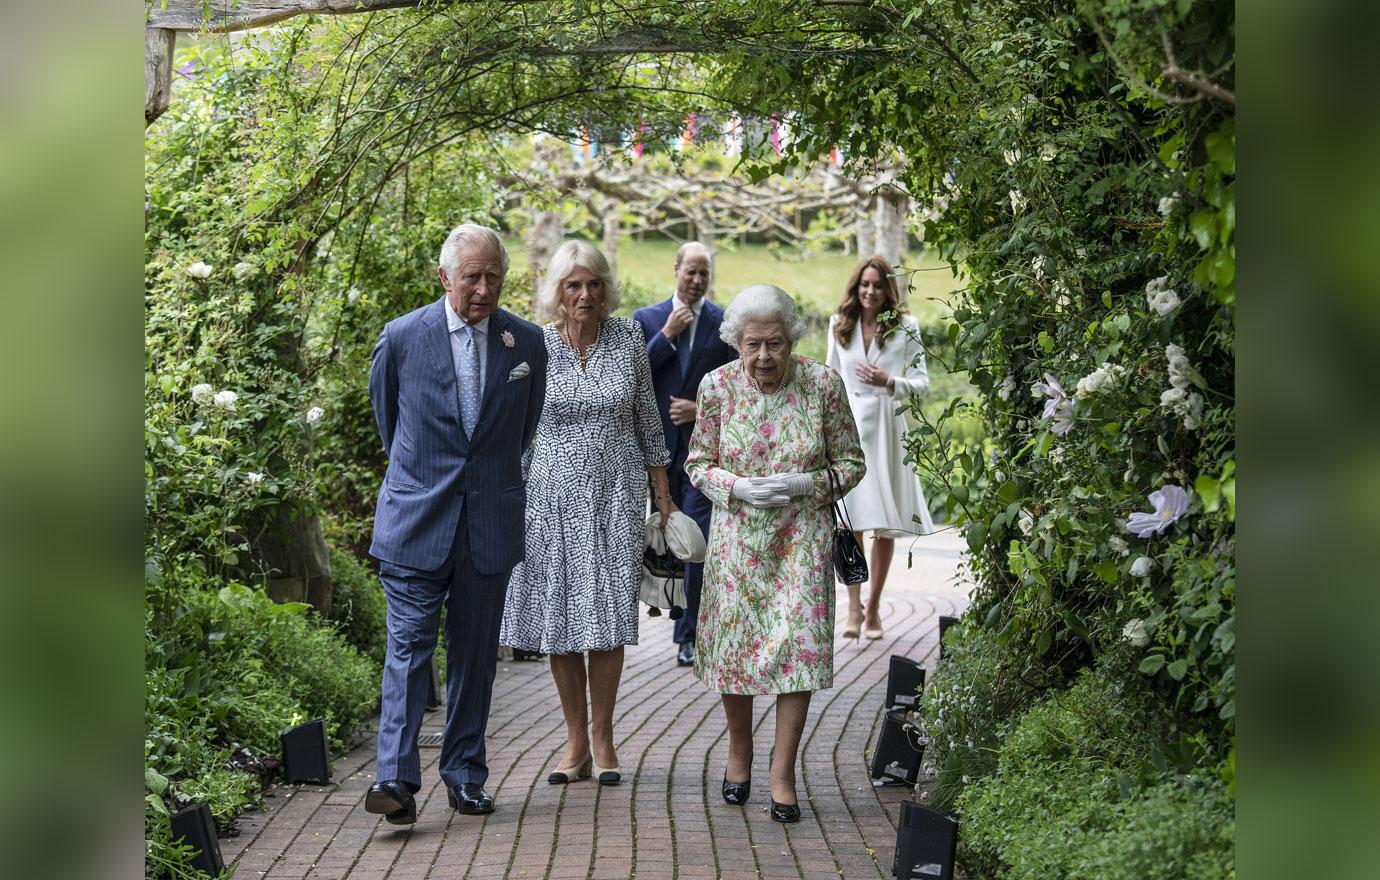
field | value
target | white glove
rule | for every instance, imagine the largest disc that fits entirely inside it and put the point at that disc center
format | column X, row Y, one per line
column 797, row 484
column 761, row 492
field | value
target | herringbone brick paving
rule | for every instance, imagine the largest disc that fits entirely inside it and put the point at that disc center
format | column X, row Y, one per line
column 667, row 821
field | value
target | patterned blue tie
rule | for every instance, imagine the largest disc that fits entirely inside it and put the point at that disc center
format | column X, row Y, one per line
column 469, row 380
column 683, row 345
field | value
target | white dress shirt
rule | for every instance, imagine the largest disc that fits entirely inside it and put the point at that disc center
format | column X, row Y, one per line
column 457, row 342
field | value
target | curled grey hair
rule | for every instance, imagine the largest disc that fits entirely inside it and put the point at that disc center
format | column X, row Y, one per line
column 569, row 255
column 761, row 302
column 467, row 234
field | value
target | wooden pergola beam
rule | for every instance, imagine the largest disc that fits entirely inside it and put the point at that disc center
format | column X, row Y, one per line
column 225, row 16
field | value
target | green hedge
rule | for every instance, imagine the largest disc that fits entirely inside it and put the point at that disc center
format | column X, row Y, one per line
column 226, row 671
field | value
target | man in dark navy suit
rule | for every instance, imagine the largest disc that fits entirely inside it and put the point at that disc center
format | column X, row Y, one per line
column 683, row 345
column 457, row 388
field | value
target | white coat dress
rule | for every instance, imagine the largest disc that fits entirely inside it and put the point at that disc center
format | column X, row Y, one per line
column 889, row 498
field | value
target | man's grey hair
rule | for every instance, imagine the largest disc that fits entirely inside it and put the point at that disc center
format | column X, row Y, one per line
column 569, row 255
column 470, row 234
column 761, row 302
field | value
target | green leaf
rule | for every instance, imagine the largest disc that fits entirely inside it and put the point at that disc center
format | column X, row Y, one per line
column 1107, row 570
column 155, row 802
column 1152, row 664
column 289, row 608
column 1229, row 493
column 1177, row 669
column 1202, row 223
column 1210, row 491
column 154, row 781
column 1044, row 642
column 977, row 536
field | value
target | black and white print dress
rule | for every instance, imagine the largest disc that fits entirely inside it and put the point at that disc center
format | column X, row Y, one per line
column 576, row 589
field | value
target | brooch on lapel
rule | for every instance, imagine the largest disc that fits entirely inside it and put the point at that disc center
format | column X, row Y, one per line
column 508, row 339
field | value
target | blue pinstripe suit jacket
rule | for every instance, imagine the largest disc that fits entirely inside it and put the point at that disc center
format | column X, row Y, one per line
column 434, row 471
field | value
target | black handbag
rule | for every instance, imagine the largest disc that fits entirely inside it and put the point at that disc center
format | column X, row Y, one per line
column 850, row 566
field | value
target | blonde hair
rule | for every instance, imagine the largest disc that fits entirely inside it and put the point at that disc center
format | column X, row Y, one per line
column 569, row 255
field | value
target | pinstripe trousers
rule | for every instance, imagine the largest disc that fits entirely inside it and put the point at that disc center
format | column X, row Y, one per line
column 474, row 610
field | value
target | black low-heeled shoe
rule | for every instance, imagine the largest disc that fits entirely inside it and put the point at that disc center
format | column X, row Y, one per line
column 736, row 793
column 470, row 798
column 393, row 798
column 784, row 812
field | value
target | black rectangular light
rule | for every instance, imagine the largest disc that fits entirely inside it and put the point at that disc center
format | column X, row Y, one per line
column 194, row 826
column 945, row 622
column 304, row 753
column 897, row 755
column 926, row 844
column 904, row 681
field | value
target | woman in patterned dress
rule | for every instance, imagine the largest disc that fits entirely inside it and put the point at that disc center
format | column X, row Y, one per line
column 771, row 428
column 598, row 442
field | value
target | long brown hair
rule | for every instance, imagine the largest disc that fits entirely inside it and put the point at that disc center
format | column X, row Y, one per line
column 850, row 310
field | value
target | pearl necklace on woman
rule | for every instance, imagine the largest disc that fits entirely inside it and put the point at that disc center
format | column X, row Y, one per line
column 582, row 356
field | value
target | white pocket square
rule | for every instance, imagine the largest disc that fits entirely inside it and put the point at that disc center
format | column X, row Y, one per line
column 519, row 372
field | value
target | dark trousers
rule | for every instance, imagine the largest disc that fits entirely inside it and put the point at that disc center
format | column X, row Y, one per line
column 693, row 504
column 474, row 610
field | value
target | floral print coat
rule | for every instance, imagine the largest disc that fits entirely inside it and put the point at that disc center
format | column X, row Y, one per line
column 766, row 623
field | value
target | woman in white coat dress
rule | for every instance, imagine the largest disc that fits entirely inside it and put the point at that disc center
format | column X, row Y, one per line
column 881, row 362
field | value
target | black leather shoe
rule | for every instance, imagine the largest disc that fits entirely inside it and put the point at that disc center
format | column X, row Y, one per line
column 394, row 800
column 685, row 654
column 471, row 798
column 736, row 793
column 784, row 812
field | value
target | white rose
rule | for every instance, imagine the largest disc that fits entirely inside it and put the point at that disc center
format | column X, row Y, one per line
column 314, row 415
column 199, row 270
column 201, row 393
column 1162, row 302
column 1136, row 632
column 225, row 400
column 1011, row 156
column 243, row 270
column 354, row 295
column 1119, row 544
column 1141, row 567
column 253, row 478
column 1008, row 387
column 1102, row 378
column 1168, row 204
column 1173, row 397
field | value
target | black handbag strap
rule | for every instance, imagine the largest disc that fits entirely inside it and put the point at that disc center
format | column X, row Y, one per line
column 838, row 502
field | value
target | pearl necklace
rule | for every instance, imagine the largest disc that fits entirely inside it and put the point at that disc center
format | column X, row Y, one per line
column 582, row 356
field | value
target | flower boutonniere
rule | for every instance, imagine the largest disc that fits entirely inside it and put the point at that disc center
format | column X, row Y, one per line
column 508, row 339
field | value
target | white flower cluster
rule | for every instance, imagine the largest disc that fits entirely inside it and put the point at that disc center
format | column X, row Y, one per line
column 314, row 415
column 1047, row 153
column 1007, row 388
column 353, row 295
column 1118, row 543
column 1169, row 203
column 199, row 270
column 1026, row 522
column 1011, row 156
column 243, row 270
column 1141, row 567
column 1186, row 404
column 204, row 394
column 1018, row 201
column 253, row 478
column 1101, row 379
column 1160, row 297
column 1037, row 265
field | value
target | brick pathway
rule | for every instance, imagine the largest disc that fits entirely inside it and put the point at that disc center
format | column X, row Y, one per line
column 667, row 820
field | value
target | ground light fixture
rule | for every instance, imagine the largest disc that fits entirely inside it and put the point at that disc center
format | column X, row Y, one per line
column 304, row 753
column 896, row 759
column 926, row 844
column 904, row 682
column 193, row 826
column 945, row 621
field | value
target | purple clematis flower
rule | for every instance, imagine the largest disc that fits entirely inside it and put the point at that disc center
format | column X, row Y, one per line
column 1170, row 503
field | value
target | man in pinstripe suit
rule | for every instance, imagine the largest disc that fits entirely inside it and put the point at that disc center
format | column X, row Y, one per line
column 457, row 389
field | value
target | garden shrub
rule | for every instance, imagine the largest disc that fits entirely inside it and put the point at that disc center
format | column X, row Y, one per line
column 358, row 606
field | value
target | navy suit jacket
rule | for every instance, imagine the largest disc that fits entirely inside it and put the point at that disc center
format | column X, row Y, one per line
column 434, row 471
column 707, row 353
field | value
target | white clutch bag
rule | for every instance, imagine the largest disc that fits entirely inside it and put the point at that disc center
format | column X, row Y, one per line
column 663, row 572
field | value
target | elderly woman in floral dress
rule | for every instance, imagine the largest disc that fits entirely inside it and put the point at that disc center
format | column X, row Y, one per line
column 774, row 445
